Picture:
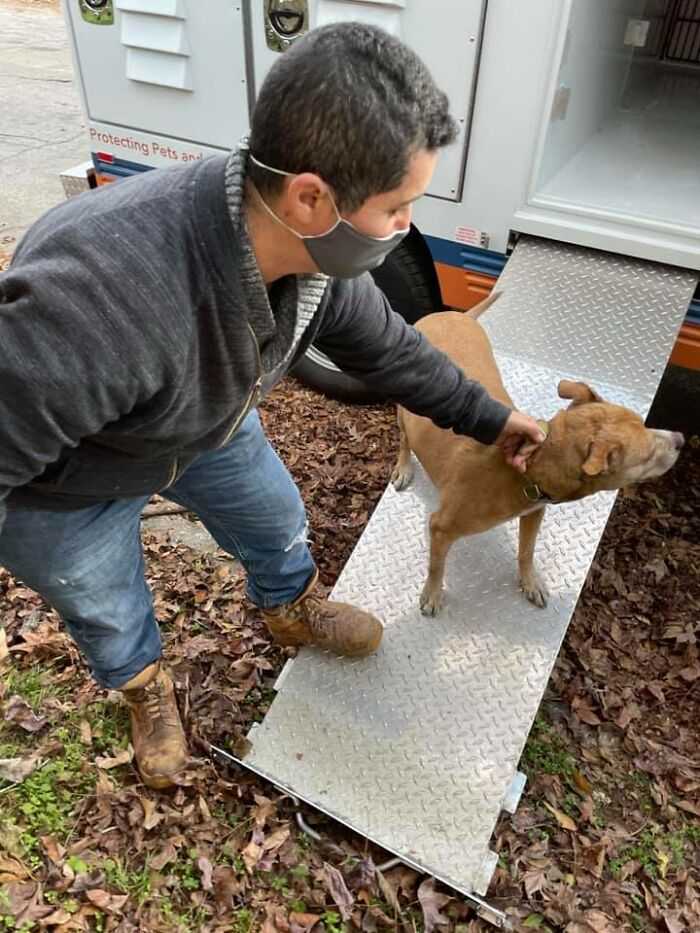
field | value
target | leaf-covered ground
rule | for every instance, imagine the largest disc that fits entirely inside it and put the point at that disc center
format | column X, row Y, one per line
column 607, row 835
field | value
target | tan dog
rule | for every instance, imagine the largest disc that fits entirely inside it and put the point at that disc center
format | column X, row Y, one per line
column 590, row 446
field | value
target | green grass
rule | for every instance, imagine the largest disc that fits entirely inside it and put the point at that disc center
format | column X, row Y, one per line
column 242, row 921
column 546, row 752
column 134, row 882
column 658, row 852
column 46, row 802
column 331, row 922
column 32, row 685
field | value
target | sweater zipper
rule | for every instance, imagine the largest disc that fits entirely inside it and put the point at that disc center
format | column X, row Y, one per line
column 250, row 402
column 173, row 474
column 254, row 392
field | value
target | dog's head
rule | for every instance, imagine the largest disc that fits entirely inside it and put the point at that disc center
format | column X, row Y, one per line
column 594, row 445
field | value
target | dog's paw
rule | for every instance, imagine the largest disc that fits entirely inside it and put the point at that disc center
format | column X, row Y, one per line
column 430, row 602
column 401, row 477
column 535, row 590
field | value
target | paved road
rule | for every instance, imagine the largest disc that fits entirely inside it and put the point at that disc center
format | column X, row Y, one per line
column 42, row 130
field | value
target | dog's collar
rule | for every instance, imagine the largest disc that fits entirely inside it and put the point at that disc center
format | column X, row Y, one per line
column 533, row 492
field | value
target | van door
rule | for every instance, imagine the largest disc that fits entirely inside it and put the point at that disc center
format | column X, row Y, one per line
column 445, row 33
column 169, row 67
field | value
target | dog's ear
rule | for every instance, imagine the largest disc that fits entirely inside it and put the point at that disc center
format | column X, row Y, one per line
column 602, row 457
column 579, row 392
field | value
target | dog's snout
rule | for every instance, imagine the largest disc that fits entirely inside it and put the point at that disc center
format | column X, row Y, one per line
column 678, row 439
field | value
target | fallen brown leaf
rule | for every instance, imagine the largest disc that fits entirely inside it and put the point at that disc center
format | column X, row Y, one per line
column 387, row 889
column 53, row 849
column 564, row 821
column 121, row 758
column 673, row 921
column 111, row 903
column 167, row 854
column 206, row 868
column 12, row 870
column 600, row 922
column 582, row 782
column 691, row 673
column 85, row 732
column 534, row 881
column 252, row 854
column 15, row 770
column 151, row 818
column 303, row 923
column 432, row 902
column 276, row 839
column 690, row 807
column 338, row 890
column 583, row 710
column 58, row 918
column 20, row 713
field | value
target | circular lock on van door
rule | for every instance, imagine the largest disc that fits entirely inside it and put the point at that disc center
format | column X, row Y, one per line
column 97, row 12
column 285, row 21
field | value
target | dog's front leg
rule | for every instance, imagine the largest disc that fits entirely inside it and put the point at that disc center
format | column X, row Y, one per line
column 530, row 581
column 441, row 541
column 403, row 471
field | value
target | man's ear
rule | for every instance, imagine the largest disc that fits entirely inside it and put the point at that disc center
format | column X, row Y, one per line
column 305, row 197
column 578, row 391
column 602, row 457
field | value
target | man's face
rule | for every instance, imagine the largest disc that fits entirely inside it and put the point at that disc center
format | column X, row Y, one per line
column 383, row 214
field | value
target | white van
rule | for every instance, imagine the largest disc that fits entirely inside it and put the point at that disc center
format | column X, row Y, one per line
column 579, row 122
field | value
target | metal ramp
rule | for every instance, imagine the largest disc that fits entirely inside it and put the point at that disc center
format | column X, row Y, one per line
column 417, row 747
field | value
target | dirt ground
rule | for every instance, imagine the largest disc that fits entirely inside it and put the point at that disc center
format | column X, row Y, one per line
column 607, row 835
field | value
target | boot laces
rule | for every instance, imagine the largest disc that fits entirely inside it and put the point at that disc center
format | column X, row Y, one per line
column 158, row 705
column 317, row 615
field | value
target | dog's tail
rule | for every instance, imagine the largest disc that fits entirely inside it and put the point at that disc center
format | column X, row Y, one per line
column 479, row 309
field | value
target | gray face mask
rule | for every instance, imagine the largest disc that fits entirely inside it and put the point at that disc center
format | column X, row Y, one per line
column 342, row 252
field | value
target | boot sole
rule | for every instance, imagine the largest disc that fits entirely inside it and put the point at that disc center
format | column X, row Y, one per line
column 361, row 653
column 158, row 782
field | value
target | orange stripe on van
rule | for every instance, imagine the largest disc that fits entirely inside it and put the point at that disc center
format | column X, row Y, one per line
column 687, row 349
column 462, row 289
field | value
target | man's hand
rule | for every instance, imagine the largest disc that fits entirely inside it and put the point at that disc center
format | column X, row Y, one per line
column 519, row 438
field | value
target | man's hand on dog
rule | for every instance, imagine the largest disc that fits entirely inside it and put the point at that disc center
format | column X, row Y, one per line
column 519, row 439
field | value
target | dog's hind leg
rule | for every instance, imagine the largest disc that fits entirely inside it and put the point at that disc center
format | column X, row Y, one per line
column 530, row 581
column 403, row 471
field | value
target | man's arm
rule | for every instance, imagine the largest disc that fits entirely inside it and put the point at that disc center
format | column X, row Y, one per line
column 65, row 365
column 363, row 336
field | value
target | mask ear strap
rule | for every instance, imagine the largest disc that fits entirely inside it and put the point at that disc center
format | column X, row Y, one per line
column 269, row 168
column 274, row 216
column 278, row 171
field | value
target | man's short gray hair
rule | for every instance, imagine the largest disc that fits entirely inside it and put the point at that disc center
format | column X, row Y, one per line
column 351, row 103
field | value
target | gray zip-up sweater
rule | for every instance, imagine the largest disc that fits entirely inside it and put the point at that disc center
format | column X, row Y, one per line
column 136, row 332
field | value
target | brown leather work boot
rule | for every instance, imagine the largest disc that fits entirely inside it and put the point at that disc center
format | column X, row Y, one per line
column 159, row 740
column 312, row 620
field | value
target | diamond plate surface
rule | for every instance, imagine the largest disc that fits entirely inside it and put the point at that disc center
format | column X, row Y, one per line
column 609, row 318
column 417, row 747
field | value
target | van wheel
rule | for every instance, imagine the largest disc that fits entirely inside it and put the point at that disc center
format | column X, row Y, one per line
column 408, row 279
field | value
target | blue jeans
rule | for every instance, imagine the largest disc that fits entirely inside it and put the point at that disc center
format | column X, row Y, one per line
column 88, row 564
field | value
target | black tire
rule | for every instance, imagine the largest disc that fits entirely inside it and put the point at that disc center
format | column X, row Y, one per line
column 408, row 279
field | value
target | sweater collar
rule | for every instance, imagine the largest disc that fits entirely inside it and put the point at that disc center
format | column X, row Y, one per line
column 260, row 314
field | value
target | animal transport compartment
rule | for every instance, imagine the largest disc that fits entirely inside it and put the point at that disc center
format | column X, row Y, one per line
column 624, row 131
